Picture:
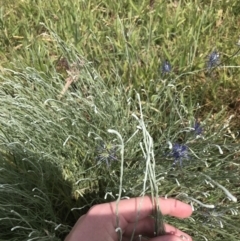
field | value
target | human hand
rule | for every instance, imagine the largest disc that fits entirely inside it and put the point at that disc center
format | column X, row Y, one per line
column 99, row 224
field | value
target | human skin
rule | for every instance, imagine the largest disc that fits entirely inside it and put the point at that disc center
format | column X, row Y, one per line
column 99, row 224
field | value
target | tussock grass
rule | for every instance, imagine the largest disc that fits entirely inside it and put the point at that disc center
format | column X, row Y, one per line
column 73, row 71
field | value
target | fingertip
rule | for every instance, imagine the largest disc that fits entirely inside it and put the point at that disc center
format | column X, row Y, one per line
column 175, row 208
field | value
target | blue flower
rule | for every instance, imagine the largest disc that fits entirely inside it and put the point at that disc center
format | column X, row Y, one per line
column 179, row 153
column 213, row 60
column 197, row 128
column 106, row 152
column 166, row 67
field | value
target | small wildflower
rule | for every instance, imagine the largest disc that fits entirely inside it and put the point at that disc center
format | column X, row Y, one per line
column 197, row 128
column 179, row 153
column 106, row 152
column 213, row 217
column 166, row 67
column 213, row 60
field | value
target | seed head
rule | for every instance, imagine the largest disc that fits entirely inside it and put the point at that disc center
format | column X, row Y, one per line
column 214, row 217
column 106, row 152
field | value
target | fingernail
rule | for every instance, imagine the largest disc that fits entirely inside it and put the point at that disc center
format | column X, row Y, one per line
column 183, row 237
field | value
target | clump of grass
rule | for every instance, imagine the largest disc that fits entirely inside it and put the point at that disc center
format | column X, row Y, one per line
column 59, row 127
column 64, row 128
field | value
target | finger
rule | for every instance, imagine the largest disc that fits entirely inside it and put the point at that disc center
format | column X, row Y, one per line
column 82, row 218
column 174, row 231
column 143, row 207
column 159, row 238
column 145, row 227
column 78, row 223
column 175, row 208
column 167, row 238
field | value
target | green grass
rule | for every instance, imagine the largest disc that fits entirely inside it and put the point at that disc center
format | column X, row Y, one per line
column 111, row 53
